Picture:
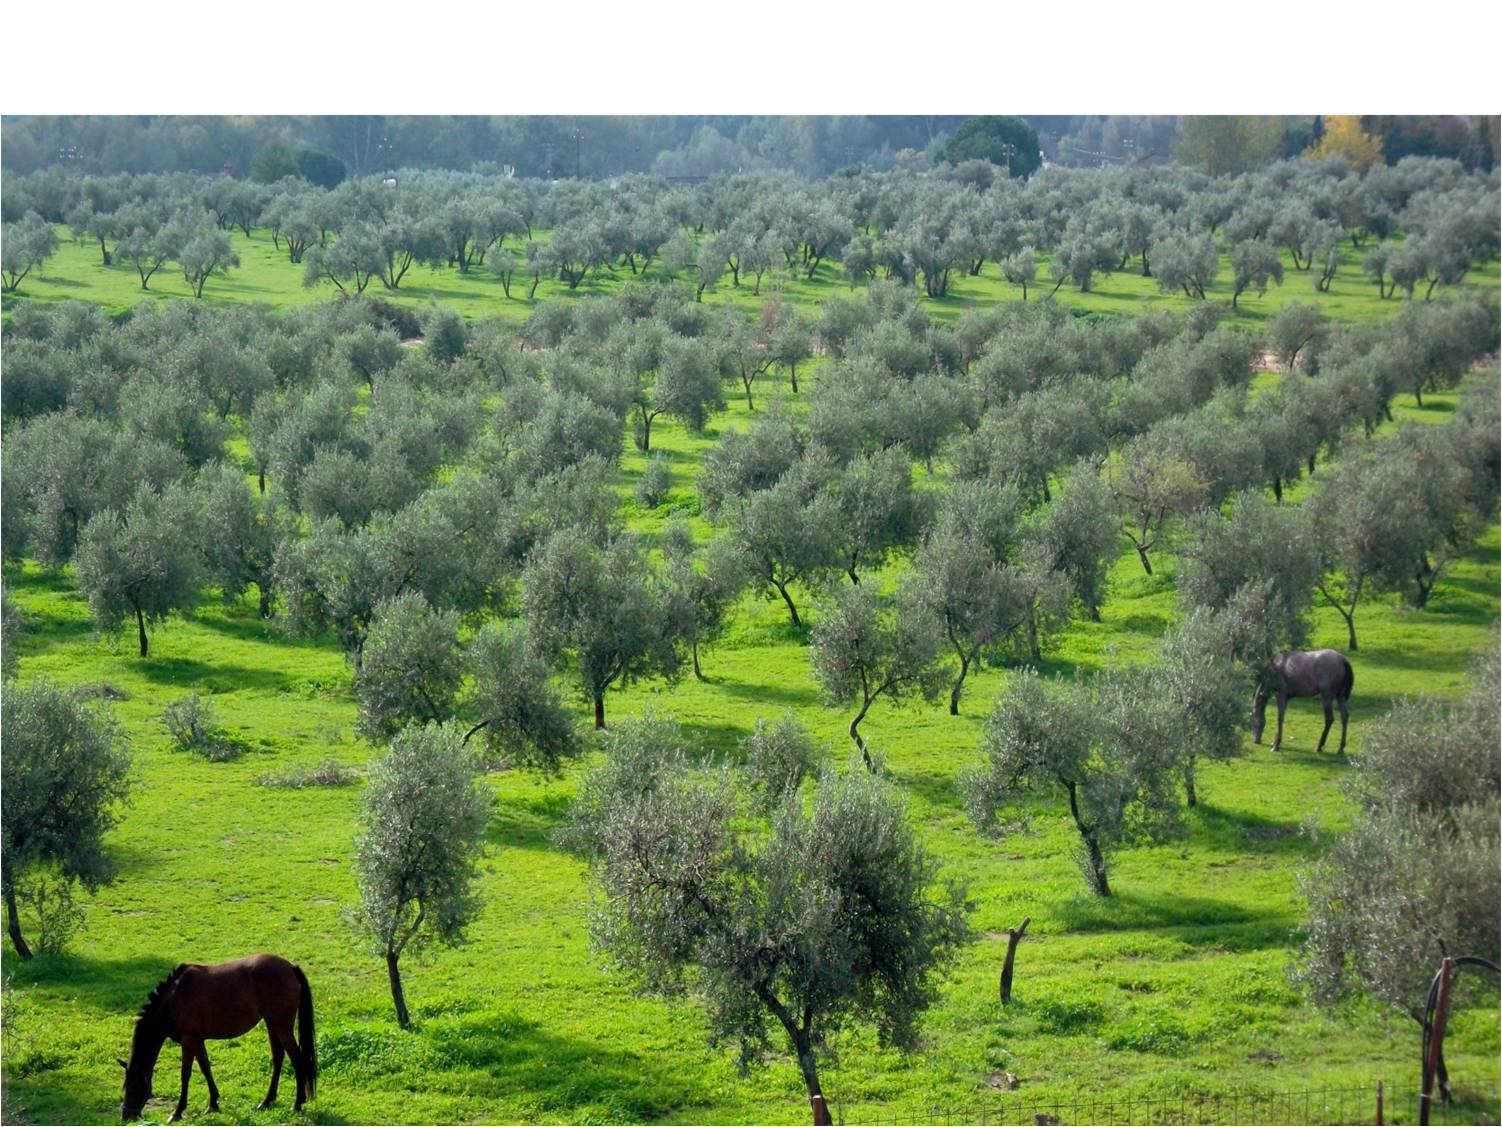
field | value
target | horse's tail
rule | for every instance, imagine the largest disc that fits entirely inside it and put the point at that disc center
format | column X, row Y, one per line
column 305, row 1036
column 1345, row 691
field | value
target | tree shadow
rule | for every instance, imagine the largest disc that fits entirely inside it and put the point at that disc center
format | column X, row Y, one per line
column 573, row 1080
column 185, row 672
column 528, row 823
column 1196, row 921
column 1241, row 831
column 770, row 694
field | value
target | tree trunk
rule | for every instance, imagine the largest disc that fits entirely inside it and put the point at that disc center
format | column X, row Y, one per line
column 13, row 924
column 1278, row 488
column 954, row 693
column 397, row 997
column 1099, row 884
column 792, row 610
column 1189, row 795
column 1096, row 873
column 855, row 734
column 599, row 712
column 811, row 1080
column 265, row 607
column 1014, row 936
column 698, row 673
column 1142, row 555
column 141, row 630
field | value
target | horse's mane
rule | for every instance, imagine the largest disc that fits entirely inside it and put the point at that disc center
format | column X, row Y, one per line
column 148, row 1007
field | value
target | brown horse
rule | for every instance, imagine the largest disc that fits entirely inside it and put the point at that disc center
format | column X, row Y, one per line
column 196, row 1003
column 1314, row 673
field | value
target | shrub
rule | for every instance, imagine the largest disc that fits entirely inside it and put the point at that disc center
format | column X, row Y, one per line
column 192, row 727
column 653, row 486
column 325, row 773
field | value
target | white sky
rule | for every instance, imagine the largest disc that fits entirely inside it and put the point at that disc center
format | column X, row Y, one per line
column 762, row 56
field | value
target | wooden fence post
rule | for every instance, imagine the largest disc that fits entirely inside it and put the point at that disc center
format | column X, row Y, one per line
column 1013, row 938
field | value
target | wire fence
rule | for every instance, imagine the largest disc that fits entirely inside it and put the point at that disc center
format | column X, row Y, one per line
column 1368, row 1103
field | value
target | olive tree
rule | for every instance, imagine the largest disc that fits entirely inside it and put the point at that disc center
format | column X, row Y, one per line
column 862, row 651
column 66, row 768
column 1253, row 265
column 511, row 703
column 1151, row 487
column 702, row 585
column 421, row 833
column 204, row 253
column 1259, row 545
column 829, row 916
column 141, row 564
column 410, row 669
column 1111, row 745
column 1416, row 878
column 605, row 607
column 962, row 578
column 24, row 245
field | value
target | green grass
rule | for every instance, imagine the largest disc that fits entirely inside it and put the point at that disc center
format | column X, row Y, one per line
column 1179, row 984
column 266, row 275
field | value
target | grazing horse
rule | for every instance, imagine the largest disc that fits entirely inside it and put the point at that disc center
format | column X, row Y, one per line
column 195, row 1003
column 1314, row 673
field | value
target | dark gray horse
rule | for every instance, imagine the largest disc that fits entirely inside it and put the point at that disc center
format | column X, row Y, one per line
column 1313, row 673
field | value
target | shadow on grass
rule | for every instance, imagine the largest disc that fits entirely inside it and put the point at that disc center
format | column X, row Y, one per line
column 527, row 823
column 1196, row 921
column 778, row 697
column 1241, row 831
column 574, row 1080
column 186, row 672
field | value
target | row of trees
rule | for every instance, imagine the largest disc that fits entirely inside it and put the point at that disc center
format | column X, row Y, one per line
column 917, row 229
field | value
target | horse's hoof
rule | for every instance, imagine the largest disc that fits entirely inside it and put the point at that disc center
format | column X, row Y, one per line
column 263, row 1105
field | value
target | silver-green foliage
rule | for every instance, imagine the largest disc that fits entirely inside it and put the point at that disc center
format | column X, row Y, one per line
column 422, row 826
column 65, row 770
column 410, row 669
column 1416, row 878
column 829, row 916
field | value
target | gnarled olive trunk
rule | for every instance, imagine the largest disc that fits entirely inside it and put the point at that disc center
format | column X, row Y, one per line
column 399, row 999
column 13, row 924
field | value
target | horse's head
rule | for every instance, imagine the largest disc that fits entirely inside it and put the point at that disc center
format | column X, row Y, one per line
column 137, row 1091
column 1259, row 712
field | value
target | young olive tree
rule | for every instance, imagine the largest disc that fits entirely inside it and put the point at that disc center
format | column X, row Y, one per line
column 422, row 830
column 65, row 770
column 961, row 575
column 1253, row 265
column 861, row 652
column 142, row 565
column 829, row 916
column 702, row 585
column 511, row 703
column 24, row 245
column 1416, row 878
column 1112, row 745
column 410, row 669
column 605, row 608
column 1151, row 488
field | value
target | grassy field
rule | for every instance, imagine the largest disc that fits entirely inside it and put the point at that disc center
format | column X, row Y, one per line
column 1179, row 984
column 266, row 275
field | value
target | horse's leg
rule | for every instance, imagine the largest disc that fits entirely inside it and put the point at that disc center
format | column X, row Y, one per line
column 299, row 1062
column 1282, row 707
column 277, row 1053
column 182, row 1099
column 1329, row 719
column 202, row 1054
column 1340, row 700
